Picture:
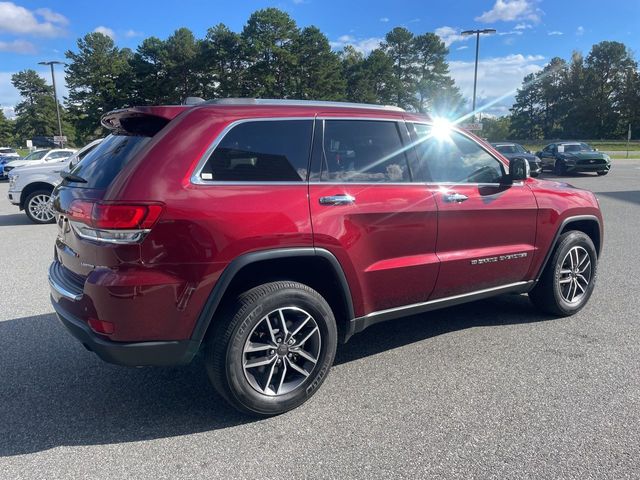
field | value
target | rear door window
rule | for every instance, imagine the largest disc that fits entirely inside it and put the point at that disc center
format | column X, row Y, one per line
column 262, row 151
column 363, row 151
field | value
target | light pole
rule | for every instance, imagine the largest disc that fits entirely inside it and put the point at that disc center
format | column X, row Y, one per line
column 475, row 73
column 55, row 95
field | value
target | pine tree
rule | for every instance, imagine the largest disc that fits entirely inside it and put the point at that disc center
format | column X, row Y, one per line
column 98, row 77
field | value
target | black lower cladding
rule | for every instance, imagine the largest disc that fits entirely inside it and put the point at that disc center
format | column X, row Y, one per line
column 134, row 354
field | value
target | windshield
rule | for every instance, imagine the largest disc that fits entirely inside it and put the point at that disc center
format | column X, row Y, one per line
column 577, row 147
column 510, row 149
column 4, row 151
column 36, row 155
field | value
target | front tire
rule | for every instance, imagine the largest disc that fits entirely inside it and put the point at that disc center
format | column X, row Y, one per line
column 569, row 278
column 273, row 348
column 560, row 169
column 603, row 172
column 38, row 208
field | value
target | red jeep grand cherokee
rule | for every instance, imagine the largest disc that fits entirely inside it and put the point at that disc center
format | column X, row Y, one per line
column 264, row 232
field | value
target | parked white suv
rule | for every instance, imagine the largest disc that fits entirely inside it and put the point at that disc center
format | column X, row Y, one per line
column 30, row 185
column 40, row 156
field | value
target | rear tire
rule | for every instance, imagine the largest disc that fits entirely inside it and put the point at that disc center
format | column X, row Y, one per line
column 37, row 207
column 569, row 278
column 272, row 349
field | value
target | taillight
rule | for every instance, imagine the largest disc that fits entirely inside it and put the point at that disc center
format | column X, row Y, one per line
column 113, row 222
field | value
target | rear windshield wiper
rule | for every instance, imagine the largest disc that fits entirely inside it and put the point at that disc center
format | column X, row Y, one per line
column 72, row 178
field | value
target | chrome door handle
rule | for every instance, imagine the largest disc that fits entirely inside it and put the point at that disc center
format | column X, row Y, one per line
column 334, row 200
column 454, row 197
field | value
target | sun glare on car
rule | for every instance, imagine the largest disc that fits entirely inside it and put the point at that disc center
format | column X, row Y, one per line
column 441, row 129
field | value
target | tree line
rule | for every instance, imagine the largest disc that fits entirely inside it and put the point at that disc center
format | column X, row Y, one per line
column 596, row 97
column 588, row 98
column 270, row 58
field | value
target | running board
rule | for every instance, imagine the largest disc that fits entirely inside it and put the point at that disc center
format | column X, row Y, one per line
column 357, row 325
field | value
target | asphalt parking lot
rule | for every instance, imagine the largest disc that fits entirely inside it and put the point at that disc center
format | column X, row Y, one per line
column 492, row 389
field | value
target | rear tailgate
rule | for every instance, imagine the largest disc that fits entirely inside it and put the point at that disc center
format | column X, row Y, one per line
column 132, row 131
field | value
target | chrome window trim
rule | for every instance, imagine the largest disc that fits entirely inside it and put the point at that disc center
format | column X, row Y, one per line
column 195, row 176
column 196, row 180
column 426, row 184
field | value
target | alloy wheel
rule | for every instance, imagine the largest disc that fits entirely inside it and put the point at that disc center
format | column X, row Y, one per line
column 575, row 275
column 281, row 351
column 40, row 208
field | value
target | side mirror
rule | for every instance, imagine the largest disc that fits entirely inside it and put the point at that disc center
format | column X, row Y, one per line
column 528, row 151
column 539, row 153
column 595, row 149
column 519, row 169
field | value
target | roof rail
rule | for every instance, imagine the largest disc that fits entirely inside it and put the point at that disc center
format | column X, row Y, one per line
column 299, row 103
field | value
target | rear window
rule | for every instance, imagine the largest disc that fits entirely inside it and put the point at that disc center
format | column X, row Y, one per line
column 262, row 151
column 363, row 151
column 103, row 163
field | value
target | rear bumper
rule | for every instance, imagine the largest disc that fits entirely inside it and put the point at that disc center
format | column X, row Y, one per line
column 133, row 354
column 166, row 353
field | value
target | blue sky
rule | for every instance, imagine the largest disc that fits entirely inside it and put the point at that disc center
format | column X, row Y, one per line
column 530, row 32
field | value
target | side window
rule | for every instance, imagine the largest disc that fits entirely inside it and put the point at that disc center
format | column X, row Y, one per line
column 262, row 151
column 363, row 151
column 455, row 158
column 57, row 155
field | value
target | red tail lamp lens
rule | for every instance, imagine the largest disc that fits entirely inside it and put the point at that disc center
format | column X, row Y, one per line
column 115, row 216
column 81, row 210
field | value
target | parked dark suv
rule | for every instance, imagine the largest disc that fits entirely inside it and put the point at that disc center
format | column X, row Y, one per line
column 264, row 232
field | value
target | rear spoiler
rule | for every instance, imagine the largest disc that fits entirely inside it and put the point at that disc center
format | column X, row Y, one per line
column 146, row 121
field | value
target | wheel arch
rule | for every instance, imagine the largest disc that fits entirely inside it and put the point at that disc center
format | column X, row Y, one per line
column 316, row 267
column 588, row 224
column 32, row 187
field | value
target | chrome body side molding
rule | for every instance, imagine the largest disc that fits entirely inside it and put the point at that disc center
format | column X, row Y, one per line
column 357, row 325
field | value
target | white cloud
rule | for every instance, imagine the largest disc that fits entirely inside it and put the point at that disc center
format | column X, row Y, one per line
column 463, row 47
column 133, row 33
column 510, row 32
column 53, row 17
column 523, row 26
column 450, row 35
column 10, row 97
column 18, row 46
column 9, row 112
column 106, row 31
column 18, row 20
column 384, row 19
column 363, row 45
column 511, row 11
column 498, row 78
column 580, row 30
column 555, row 32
